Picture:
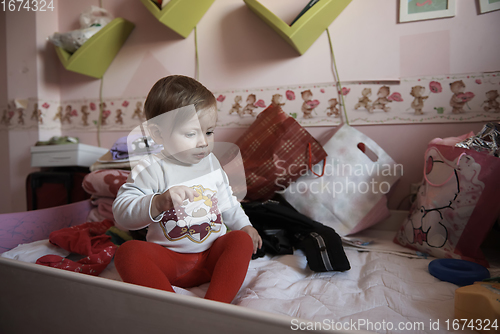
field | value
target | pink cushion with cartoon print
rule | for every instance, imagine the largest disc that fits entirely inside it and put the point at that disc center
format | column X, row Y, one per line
column 105, row 183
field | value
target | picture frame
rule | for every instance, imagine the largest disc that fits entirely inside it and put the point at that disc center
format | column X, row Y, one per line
column 416, row 10
column 489, row 5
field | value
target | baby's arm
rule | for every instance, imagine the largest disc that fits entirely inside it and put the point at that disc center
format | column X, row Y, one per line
column 232, row 212
column 132, row 206
column 257, row 240
column 236, row 219
column 234, row 216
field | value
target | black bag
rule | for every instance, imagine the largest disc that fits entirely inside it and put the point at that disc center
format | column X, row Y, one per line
column 282, row 228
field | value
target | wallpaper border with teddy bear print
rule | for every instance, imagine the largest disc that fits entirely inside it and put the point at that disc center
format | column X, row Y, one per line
column 432, row 99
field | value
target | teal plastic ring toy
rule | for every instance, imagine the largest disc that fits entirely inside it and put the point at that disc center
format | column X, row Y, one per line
column 459, row 272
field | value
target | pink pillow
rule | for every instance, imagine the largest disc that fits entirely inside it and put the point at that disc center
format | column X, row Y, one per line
column 105, row 182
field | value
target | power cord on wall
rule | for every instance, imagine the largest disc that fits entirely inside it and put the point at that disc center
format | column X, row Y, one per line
column 336, row 78
column 101, row 104
column 197, row 59
column 101, row 109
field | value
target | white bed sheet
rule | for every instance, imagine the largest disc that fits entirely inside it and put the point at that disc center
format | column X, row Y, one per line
column 382, row 291
column 379, row 288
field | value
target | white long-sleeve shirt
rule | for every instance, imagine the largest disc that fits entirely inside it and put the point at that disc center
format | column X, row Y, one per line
column 194, row 226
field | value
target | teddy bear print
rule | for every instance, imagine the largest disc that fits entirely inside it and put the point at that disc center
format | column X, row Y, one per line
column 20, row 117
column 250, row 107
column 418, row 102
column 307, row 107
column 138, row 112
column 491, row 102
column 276, row 100
column 104, row 113
column 332, row 108
column 456, row 102
column 67, row 115
column 6, row 117
column 382, row 100
column 85, row 115
column 58, row 115
column 364, row 100
column 236, row 107
column 119, row 117
column 40, row 116
column 104, row 118
column 35, row 113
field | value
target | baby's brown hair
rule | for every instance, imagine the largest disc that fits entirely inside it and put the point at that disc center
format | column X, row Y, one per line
column 176, row 91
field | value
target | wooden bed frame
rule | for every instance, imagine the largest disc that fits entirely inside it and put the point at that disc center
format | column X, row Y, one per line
column 39, row 299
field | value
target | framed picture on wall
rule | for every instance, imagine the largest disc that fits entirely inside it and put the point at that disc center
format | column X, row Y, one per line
column 416, row 10
column 489, row 5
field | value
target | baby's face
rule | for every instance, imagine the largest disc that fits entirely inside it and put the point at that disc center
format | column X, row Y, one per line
column 193, row 140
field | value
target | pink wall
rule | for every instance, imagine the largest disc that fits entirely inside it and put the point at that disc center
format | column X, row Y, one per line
column 238, row 50
column 21, row 82
column 30, row 74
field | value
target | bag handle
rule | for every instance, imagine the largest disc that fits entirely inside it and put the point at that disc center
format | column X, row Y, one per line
column 309, row 163
column 449, row 177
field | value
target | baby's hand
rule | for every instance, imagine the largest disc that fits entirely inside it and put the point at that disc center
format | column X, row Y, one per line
column 257, row 240
column 179, row 194
column 171, row 198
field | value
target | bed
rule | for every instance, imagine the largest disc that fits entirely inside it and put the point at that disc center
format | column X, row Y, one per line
column 388, row 289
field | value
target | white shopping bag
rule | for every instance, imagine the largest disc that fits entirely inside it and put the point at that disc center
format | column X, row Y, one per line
column 351, row 194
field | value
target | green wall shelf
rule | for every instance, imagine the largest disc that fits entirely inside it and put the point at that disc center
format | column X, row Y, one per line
column 95, row 55
column 306, row 30
column 180, row 15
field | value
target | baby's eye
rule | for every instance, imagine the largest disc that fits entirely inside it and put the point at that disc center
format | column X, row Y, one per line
column 209, row 133
column 190, row 135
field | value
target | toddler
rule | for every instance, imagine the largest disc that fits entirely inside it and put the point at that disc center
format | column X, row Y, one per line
column 183, row 196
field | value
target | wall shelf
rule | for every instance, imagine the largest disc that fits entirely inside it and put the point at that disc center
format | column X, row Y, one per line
column 95, row 55
column 306, row 30
column 180, row 15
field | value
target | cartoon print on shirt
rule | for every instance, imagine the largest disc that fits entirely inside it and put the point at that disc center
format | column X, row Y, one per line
column 194, row 220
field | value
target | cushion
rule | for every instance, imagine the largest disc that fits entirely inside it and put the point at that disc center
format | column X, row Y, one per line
column 105, row 183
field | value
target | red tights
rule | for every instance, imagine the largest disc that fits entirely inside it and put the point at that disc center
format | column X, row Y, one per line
column 224, row 265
